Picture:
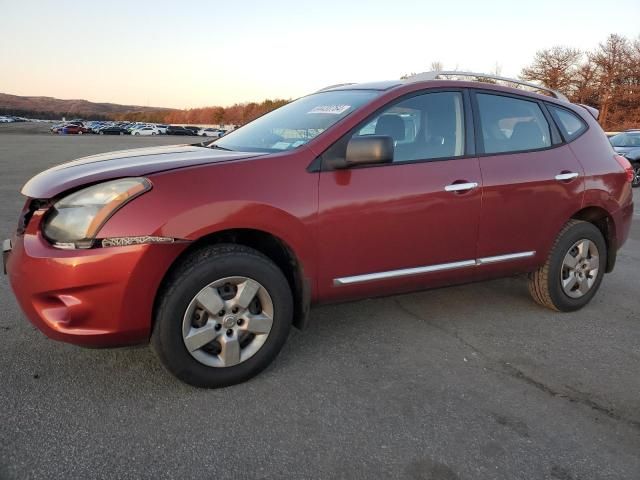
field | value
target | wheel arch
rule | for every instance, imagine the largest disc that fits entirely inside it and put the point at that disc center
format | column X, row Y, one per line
column 601, row 218
column 270, row 245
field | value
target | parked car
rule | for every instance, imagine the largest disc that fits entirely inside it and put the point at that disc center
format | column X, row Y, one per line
column 146, row 131
column 177, row 130
column 98, row 126
column 162, row 129
column 69, row 129
column 627, row 144
column 211, row 132
column 214, row 251
column 72, row 129
column 193, row 129
column 137, row 126
column 113, row 130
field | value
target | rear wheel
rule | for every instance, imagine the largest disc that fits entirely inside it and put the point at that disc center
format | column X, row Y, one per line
column 574, row 269
column 222, row 317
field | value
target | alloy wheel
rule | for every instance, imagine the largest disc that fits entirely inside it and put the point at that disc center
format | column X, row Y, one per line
column 580, row 268
column 227, row 322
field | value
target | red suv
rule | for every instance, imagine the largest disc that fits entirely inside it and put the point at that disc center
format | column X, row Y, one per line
column 212, row 251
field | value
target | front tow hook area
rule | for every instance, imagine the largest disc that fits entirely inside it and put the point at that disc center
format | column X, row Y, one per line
column 6, row 250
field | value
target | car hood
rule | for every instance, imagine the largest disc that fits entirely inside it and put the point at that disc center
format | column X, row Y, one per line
column 124, row 163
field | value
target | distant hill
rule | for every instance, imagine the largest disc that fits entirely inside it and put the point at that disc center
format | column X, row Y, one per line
column 55, row 108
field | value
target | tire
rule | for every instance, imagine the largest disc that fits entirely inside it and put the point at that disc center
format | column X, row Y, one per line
column 101, row 133
column 79, row 132
column 186, row 283
column 636, row 174
column 136, row 133
column 121, row 133
column 546, row 283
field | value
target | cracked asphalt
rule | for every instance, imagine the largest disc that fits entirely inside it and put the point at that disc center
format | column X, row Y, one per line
column 467, row 382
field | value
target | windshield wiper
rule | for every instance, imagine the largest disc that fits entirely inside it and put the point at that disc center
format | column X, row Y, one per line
column 218, row 147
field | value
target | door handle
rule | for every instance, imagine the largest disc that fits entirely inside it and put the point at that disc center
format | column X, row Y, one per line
column 460, row 187
column 566, row 176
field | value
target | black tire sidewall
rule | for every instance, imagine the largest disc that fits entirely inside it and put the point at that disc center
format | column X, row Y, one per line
column 167, row 337
column 583, row 230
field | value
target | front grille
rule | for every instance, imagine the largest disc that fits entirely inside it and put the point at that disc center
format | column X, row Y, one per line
column 30, row 207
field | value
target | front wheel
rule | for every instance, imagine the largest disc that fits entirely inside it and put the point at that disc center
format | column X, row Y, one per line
column 222, row 317
column 574, row 269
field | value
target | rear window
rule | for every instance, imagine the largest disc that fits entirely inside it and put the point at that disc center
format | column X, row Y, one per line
column 511, row 124
column 571, row 125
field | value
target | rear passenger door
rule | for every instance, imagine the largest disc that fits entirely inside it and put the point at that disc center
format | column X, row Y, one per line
column 532, row 182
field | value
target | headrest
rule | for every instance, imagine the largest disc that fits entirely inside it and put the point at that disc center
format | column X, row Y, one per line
column 391, row 125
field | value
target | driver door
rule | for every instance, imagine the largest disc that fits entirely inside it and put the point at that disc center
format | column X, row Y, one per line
column 409, row 224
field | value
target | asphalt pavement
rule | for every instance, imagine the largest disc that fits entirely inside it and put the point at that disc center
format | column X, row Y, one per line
column 469, row 382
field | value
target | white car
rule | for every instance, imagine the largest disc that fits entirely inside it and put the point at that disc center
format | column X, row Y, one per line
column 146, row 131
column 211, row 132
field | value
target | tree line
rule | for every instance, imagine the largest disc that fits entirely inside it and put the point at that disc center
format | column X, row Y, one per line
column 237, row 114
column 607, row 78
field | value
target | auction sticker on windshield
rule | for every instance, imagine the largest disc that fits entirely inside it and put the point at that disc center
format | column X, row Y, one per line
column 331, row 109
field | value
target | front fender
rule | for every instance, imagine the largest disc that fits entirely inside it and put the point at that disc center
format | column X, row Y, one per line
column 192, row 203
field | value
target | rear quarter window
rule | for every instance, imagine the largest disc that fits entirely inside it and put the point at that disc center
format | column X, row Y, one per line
column 570, row 124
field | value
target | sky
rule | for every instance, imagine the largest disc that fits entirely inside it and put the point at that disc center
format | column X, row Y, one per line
column 186, row 54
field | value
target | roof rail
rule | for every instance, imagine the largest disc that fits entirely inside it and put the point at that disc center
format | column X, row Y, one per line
column 419, row 77
column 335, row 86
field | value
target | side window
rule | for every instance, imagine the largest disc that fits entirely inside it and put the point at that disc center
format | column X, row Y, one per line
column 511, row 125
column 570, row 124
column 423, row 127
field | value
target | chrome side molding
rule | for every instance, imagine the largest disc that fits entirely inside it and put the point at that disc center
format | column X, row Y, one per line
column 504, row 258
column 406, row 272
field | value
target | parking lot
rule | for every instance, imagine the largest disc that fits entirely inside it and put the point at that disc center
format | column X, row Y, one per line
column 468, row 382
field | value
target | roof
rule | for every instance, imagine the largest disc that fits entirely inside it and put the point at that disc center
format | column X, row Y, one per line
column 445, row 75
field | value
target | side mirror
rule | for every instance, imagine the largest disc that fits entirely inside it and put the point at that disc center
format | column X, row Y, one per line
column 369, row 149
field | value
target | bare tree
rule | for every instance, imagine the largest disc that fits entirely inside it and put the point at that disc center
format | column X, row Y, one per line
column 554, row 67
column 611, row 60
column 585, row 88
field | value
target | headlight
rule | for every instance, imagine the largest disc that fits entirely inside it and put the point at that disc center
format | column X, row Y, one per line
column 75, row 220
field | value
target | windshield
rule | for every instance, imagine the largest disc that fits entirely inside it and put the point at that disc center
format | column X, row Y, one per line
column 626, row 140
column 296, row 123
